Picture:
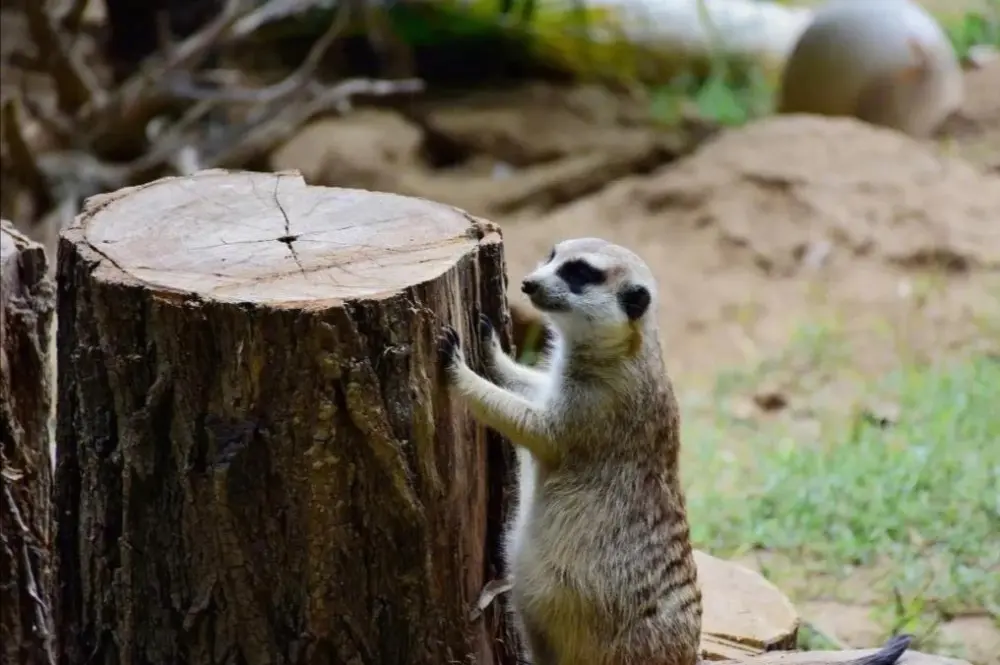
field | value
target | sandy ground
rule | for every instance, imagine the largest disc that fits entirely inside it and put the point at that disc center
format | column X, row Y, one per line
column 756, row 233
column 762, row 228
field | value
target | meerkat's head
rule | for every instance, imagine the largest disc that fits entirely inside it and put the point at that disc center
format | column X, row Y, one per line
column 595, row 293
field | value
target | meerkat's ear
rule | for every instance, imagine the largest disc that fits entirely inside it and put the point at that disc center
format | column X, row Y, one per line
column 634, row 300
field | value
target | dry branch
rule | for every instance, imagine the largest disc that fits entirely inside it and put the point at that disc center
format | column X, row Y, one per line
column 74, row 86
column 58, row 125
column 273, row 11
column 143, row 95
column 273, row 125
column 21, row 155
column 293, row 83
column 163, row 117
column 160, row 120
column 72, row 19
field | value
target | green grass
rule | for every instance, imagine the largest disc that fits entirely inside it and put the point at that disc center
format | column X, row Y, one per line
column 914, row 503
column 974, row 28
column 728, row 96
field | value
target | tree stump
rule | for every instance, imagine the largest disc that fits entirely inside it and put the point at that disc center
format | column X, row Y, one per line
column 27, row 307
column 258, row 459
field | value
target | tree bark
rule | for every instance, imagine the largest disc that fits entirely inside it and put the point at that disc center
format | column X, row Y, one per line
column 27, row 307
column 258, row 461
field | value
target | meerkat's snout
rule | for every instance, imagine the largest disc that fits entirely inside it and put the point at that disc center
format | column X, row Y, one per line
column 545, row 293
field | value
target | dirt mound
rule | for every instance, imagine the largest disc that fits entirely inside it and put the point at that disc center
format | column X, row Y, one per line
column 756, row 231
column 779, row 194
column 793, row 219
column 368, row 149
column 796, row 191
column 974, row 133
column 494, row 153
column 788, row 191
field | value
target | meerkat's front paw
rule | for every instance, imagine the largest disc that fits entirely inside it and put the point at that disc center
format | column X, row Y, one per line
column 450, row 349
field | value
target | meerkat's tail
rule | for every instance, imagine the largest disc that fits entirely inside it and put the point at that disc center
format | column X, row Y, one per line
column 888, row 654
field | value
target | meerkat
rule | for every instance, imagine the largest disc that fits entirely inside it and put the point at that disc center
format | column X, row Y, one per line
column 598, row 549
column 599, row 555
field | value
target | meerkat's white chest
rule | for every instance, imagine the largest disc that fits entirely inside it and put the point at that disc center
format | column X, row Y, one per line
column 556, row 566
column 528, row 479
column 539, row 533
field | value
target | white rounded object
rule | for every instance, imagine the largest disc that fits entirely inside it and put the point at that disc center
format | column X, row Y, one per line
column 886, row 62
column 752, row 28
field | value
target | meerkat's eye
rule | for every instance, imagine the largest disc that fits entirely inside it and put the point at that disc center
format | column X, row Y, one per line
column 578, row 274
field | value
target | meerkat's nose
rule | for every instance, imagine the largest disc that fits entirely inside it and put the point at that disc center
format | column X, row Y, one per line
column 528, row 287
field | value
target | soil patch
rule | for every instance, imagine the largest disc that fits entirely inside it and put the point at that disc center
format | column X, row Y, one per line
column 496, row 154
column 974, row 133
column 798, row 219
column 783, row 222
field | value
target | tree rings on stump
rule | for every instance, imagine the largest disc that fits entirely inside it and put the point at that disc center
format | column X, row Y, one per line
column 259, row 462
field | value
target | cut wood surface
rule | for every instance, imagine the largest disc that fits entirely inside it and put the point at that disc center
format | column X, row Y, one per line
column 744, row 614
column 259, row 462
column 27, row 307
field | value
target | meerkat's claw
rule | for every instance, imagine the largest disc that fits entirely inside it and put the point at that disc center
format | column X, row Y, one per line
column 449, row 348
column 485, row 328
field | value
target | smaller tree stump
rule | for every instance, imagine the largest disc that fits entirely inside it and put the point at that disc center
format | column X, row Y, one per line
column 27, row 306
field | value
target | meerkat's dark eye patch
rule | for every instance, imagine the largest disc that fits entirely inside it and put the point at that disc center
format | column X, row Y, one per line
column 634, row 300
column 578, row 274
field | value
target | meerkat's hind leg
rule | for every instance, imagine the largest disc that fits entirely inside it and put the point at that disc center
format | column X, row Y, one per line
column 505, row 370
column 537, row 650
